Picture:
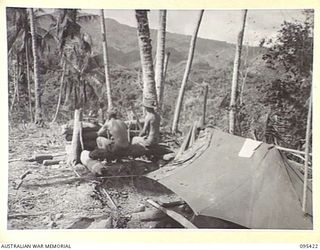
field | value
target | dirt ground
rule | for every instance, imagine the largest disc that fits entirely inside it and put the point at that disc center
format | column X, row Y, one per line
column 53, row 197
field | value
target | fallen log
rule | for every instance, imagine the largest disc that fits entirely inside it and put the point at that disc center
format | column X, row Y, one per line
column 38, row 157
column 91, row 135
column 149, row 215
column 172, row 203
column 18, row 159
column 174, row 215
column 22, row 177
column 133, row 150
column 86, row 126
column 41, row 157
column 93, row 165
column 50, row 162
column 14, row 216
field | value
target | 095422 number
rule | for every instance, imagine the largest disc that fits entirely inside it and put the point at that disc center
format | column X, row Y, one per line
column 309, row 246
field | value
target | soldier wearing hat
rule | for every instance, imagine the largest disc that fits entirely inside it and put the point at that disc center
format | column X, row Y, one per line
column 113, row 135
column 149, row 135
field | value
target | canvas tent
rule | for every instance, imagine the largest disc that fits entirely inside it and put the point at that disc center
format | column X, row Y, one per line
column 260, row 192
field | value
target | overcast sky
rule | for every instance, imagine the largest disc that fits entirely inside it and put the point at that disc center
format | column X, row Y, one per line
column 220, row 25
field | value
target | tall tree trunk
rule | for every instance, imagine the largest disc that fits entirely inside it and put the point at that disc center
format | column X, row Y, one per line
column 243, row 83
column 186, row 74
column 74, row 156
column 160, row 56
column 28, row 81
column 18, row 77
column 166, row 61
column 37, row 87
column 149, row 86
column 15, row 87
column 244, row 77
column 236, row 66
column 60, row 92
column 305, row 179
column 105, row 59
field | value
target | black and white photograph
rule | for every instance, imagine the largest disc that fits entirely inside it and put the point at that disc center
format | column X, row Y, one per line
column 159, row 119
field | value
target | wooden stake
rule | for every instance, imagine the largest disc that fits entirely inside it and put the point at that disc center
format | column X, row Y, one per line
column 292, row 150
column 185, row 143
column 193, row 134
column 174, row 215
column 109, row 198
column 206, row 88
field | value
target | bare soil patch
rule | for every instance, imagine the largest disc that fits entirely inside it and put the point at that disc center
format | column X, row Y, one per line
column 54, row 197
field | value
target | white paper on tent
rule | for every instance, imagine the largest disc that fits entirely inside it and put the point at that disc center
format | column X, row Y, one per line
column 248, row 148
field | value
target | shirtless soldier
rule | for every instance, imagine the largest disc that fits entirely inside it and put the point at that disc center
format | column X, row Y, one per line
column 116, row 132
column 149, row 135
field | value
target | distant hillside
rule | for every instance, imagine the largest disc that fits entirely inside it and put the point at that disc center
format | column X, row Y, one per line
column 212, row 63
column 123, row 46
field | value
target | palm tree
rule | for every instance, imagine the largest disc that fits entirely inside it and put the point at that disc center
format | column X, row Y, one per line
column 105, row 59
column 75, row 51
column 236, row 66
column 37, row 87
column 186, row 74
column 60, row 92
column 149, row 88
column 19, row 41
column 160, row 56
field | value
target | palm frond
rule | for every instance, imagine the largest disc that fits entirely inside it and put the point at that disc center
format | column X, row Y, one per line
column 87, row 17
column 44, row 17
column 13, row 40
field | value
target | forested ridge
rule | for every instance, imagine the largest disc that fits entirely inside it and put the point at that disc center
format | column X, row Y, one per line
column 277, row 74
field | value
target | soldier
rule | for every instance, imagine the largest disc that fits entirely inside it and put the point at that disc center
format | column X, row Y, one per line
column 149, row 135
column 113, row 135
